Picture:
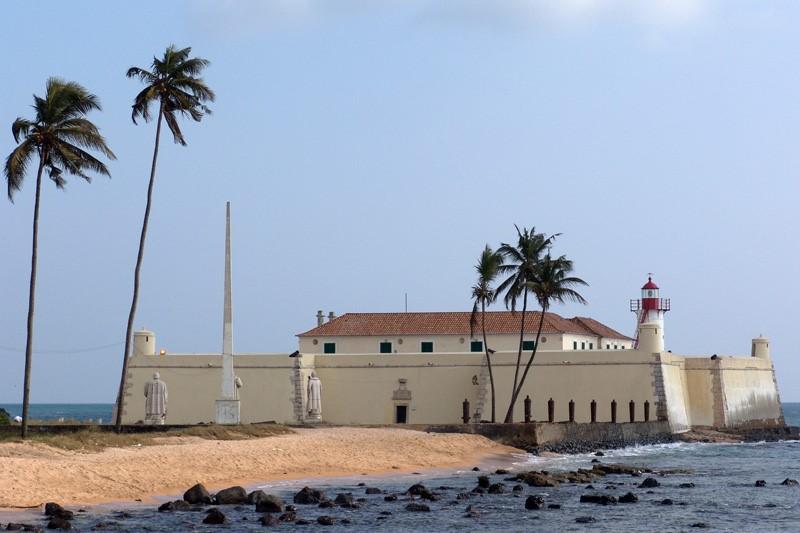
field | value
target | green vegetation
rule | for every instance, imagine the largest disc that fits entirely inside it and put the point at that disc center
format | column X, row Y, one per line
column 98, row 438
column 59, row 135
column 5, row 418
column 173, row 83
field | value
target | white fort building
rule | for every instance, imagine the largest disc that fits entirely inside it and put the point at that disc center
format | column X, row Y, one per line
column 418, row 368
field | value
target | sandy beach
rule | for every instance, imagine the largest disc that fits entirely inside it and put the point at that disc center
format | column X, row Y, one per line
column 31, row 474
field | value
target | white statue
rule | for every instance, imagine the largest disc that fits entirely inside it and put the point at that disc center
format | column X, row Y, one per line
column 237, row 382
column 314, row 397
column 155, row 404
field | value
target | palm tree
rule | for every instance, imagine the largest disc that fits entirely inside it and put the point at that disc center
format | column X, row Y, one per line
column 484, row 295
column 173, row 84
column 520, row 263
column 60, row 135
column 552, row 283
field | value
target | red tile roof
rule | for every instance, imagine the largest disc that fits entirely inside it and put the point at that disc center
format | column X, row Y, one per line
column 455, row 323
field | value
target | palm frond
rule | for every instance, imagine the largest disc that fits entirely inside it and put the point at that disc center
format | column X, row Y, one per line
column 177, row 135
column 17, row 165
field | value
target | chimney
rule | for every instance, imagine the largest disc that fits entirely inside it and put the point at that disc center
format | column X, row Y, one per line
column 320, row 318
column 331, row 316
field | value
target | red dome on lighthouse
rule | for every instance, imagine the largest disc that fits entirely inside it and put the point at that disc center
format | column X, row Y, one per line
column 650, row 284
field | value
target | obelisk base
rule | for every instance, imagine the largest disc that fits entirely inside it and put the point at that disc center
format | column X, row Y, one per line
column 228, row 412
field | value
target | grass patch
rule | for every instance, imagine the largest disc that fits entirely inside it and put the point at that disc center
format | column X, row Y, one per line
column 95, row 439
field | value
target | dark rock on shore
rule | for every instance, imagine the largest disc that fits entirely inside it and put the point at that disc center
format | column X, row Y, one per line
column 761, row 483
column 667, row 501
column 177, row 505
column 345, row 500
column 418, row 507
column 231, row 496
column 288, row 516
column 517, row 488
column 309, row 496
column 418, row 489
column 326, row 504
column 585, row 520
column 197, row 494
column 269, row 503
column 390, row 498
column 534, row 503
column 54, row 509
column 649, row 483
column 686, row 485
column 269, row 520
column 501, row 471
column 628, row 498
column 538, row 479
column 373, row 490
column 215, row 516
column 600, row 499
column 496, row 488
column 325, row 520
column 57, row 522
column 483, row 482
column 701, row 525
column 789, row 482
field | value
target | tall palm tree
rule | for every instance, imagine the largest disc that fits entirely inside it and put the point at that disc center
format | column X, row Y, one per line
column 520, row 263
column 552, row 283
column 484, row 295
column 173, row 83
column 60, row 135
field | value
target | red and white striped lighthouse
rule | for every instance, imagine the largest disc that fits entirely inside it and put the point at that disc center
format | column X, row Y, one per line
column 650, row 309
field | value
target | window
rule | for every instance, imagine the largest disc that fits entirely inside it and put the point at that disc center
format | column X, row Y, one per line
column 574, row 345
column 528, row 346
column 615, row 346
column 426, row 347
column 591, row 346
column 476, row 346
column 608, row 346
column 386, row 347
column 583, row 346
column 329, row 347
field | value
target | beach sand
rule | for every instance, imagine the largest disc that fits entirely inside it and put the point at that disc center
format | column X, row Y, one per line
column 31, row 474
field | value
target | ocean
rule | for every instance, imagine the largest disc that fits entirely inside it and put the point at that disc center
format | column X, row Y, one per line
column 724, row 496
column 83, row 412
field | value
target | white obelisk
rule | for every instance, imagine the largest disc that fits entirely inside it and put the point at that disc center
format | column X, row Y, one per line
column 228, row 407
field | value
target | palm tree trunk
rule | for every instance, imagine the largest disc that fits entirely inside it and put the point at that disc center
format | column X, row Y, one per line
column 488, row 357
column 510, row 413
column 26, row 388
column 530, row 361
column 140, row 256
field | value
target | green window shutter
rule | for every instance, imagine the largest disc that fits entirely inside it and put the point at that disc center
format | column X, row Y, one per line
column 329, row 347
column 527, row 346
column 476, row 346
column 386, row 347
column 426, row 347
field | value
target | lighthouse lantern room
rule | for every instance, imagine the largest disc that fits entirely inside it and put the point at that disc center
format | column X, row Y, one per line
column 650, row 310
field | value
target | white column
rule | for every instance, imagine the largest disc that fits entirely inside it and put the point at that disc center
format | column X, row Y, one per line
column 228, row 407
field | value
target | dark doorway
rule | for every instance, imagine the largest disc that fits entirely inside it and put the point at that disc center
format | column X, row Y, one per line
column 401, row 414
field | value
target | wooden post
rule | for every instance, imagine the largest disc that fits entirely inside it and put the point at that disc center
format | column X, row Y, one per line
column 632, row 409
column 572, row 410
column 593, row 410
column 527, row 409
column 614, row 411
column 647, row 410
column 465, row 411
column 551, row 410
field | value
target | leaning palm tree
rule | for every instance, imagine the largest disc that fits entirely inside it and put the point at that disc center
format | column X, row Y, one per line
column 552, row 283
column 484, row 295
column 174, row 85
column 60, row 136
column 520, row 263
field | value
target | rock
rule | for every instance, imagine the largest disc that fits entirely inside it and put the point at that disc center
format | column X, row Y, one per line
column 701, row 525
column 600, row 499
column 231, row 496
column 345, row 500
column 539, row 479
column 269, row 520
column 589, row 487
column 599, row 454
column 483, row 482
column 501, row 471
column 418, row 489
column 649, row 483
column 362, row 484
column 667, row 501
column 302, row 522
column 372, row 490
column 255, row 496
column 789, row 482
column 595, row 460
column 554, row 506
column 177, row 505
column 628, row 498
column 611, row 468
column 215, row 516
column 418, row 507
column 770, row 505
column 686, row 485
column 269, row 503
column 585, row 520
column 326, row 504
column 325, row 520
column 478, row 490
column 54, row 509
column 534, row 503
column 761, row 483
column 197, row 494
column 517, row 488
column 390, row 498
column 288, row 516
column 462, row 496
column 56, row 522
column 496, row 488
column 308, row 496
column 476, row 469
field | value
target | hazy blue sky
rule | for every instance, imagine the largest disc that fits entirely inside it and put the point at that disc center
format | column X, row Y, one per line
column 371, row 149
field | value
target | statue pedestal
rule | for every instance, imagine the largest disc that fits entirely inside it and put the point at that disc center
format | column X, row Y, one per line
column 228, row 412
column 313, row 418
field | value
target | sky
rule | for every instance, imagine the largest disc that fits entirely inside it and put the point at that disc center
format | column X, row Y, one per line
column 370, row 149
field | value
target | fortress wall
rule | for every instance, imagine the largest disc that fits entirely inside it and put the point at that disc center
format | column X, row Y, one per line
column 750, row 392
column 674, row 390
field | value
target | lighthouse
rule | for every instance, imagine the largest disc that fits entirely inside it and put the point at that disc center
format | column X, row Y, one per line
column 650, row 310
